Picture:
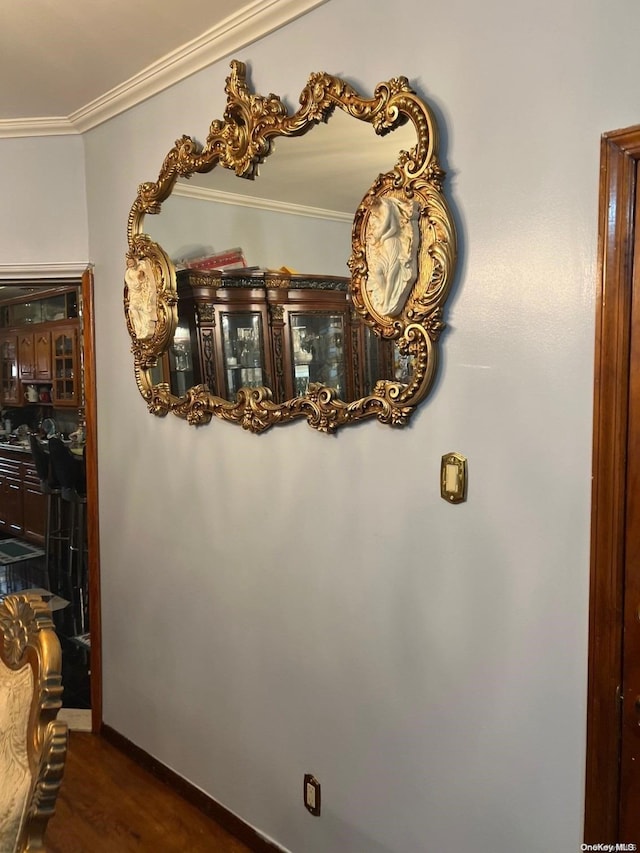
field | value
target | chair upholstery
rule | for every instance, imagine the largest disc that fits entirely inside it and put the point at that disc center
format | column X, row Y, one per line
column 33, row 743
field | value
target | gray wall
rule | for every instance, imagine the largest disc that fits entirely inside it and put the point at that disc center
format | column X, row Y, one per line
column 297, row 603
column 43, row 212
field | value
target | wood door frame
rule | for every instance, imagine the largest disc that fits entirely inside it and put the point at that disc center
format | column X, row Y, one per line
column 619, row 157
column 91, row 459
column 46, row 276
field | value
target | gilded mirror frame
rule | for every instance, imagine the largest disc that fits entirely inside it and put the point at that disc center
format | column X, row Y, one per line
column 411, row 191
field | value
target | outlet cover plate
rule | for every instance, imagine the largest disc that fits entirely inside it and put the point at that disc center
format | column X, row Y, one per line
column 311, row 793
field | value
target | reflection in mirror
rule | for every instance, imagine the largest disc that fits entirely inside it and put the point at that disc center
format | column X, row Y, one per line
column 296, row 213
column 181, row 361
column 255, row 328
column 345, row 255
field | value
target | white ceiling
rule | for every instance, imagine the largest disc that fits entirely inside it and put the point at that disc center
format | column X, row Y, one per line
column 64, row 59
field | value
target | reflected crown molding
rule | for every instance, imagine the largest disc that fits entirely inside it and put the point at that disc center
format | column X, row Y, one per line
column 205, row 194
column 250, row 23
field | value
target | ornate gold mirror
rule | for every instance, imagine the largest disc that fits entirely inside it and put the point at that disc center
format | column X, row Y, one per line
column 265, row 345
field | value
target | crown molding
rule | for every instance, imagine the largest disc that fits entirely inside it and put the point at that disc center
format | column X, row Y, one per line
column 14, row 128
column 254, row 21
column 27, row 272
column 205, row 194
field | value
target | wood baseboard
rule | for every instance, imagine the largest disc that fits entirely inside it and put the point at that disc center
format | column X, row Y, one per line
column 229, row 821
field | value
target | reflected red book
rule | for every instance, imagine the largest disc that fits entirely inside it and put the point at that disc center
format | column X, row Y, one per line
column 229, row 259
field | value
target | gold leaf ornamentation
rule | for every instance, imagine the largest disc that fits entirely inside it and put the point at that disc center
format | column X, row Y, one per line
column 30, row 645
column 240, row 142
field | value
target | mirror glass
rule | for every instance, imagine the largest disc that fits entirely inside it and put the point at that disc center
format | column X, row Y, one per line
column 296, row 213
column 340, row 253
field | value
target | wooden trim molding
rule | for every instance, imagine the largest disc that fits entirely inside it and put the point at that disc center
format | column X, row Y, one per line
column 252, row 21
column 210, row 807
column 93, row 537
column 620, row 152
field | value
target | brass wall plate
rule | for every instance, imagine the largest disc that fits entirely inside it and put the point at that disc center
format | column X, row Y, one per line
column 453, row 478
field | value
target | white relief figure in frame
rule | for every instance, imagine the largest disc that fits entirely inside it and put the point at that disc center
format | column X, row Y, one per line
column 392, row 241
column 143, row 301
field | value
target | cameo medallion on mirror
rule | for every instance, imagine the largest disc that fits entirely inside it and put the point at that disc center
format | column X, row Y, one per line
column 333, row 310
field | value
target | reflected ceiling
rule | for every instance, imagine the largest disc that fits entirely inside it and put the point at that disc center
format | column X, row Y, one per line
column 330, row 168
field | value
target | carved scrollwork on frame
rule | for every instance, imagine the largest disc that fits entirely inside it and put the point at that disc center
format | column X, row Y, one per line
column 402, row 259
column 35, row 742
column 150, row 300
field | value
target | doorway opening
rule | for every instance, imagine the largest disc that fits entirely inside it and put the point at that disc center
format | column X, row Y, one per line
column 47, row 396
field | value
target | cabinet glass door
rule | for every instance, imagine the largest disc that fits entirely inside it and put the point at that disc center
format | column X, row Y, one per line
column 8, row 370
column 242, row 351
column 64, row 366
column 373, row 361
column 181, row 362
column 403, row 365
column 317, row 347
column 25, row 313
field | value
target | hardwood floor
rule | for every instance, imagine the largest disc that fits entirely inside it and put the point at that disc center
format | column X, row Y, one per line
column 109, row 804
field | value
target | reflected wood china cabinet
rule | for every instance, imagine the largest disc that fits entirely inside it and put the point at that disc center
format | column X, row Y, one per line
column 39, row 345
column 285, row 331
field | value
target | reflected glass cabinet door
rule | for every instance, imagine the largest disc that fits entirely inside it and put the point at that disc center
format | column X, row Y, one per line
column 317, row 351
column 175, row 367
column 382, row 360
column 243, row 351
column 181, row 361
column 373, row 367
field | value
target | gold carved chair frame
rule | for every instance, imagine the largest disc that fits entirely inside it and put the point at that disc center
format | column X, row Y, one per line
column 241, row 141
column 33, row 743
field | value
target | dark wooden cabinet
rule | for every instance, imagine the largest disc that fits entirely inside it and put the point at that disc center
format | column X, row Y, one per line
column 34, row 505
column 230, row 342
column 39, row 345
column 311, row 327
column 22, row 504
column 243, row 328
column 26, row 357
column 11, row 511
column 34, row 355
